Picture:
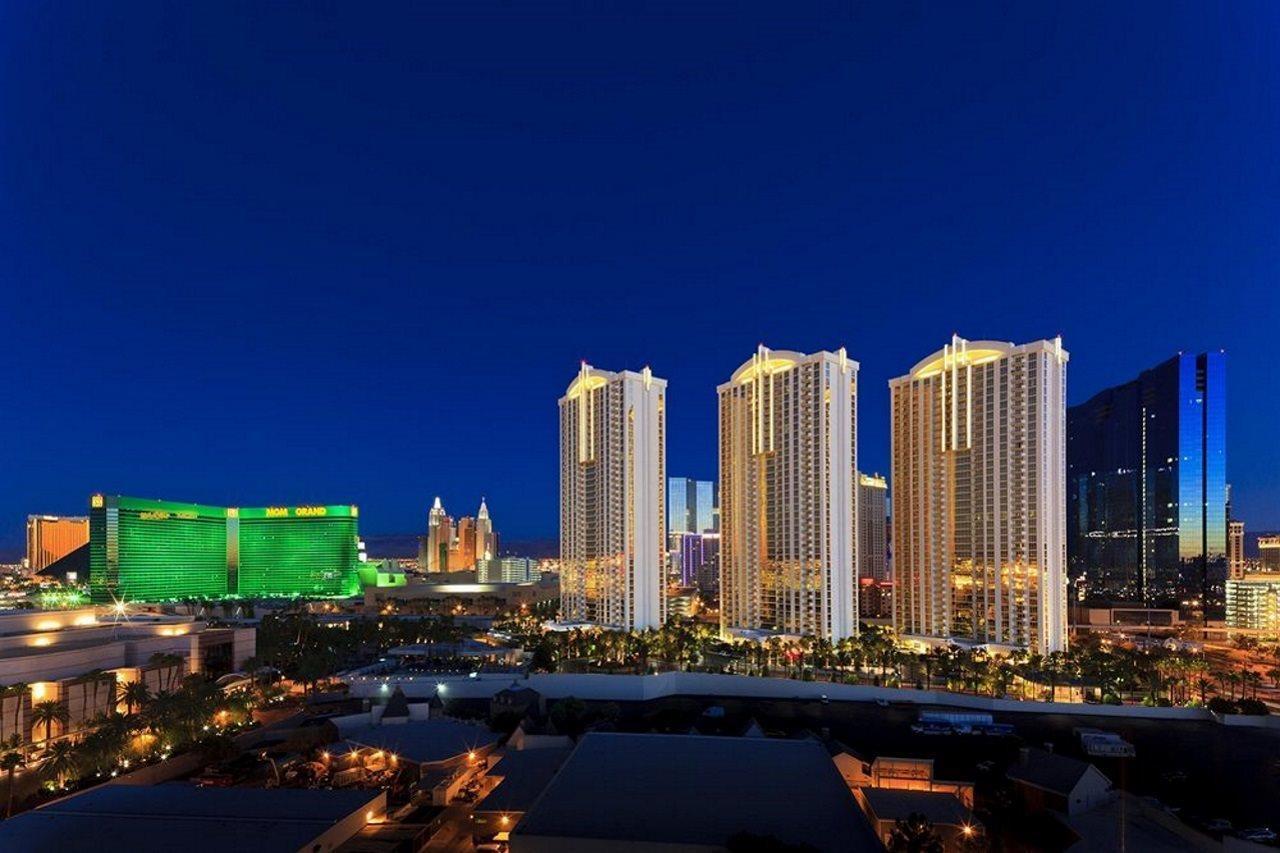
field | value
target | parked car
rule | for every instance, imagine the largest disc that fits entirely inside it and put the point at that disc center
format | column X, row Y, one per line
column 1259, row 834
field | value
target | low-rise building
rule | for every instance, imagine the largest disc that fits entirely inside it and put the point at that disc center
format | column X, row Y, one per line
column 507, row 570
column 162, row 818
column 82, row 658
column 1046, row 781
column 520, row 776
column 440, row 755
column 898, row 774
column 642, row 792
column 954, row 824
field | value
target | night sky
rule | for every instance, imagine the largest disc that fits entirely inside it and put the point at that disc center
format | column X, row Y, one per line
column 354, row 252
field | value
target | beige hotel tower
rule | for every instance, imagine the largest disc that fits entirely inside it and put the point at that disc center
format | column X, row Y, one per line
column 788, row 495
column 978, row 460
column 612, row 499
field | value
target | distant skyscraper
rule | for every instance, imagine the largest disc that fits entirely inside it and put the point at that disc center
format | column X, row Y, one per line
column 612, row 505
column 462, row 551
column 1147, row 489
column 873, row 549
column 788, row 453
column 486, row 539
column 433, row 556
column 1235, row 549
column 52, row 537
column 1269, row 553
column 691, row 506
column 977, row 451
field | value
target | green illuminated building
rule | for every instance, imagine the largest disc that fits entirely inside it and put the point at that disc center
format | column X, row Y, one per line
column 145, row 550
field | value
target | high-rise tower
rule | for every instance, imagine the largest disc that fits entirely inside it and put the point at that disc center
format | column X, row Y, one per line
column 486, row 540
column 1147, row 486
column 788, row 500
column 439, row 538
column 977, row 451
column 612, row 506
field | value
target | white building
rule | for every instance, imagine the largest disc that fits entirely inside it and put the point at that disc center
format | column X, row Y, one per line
column 979, row 496
column 1253, row 604
column 788, row 499
column 612, row 505
column 507, row 570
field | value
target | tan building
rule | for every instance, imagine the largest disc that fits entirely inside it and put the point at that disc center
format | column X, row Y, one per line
column 82, row 658
column 433, row 553
column 612, row 498
column 979, row 498
column 462, row 554
column 1235, row 549
column 788, row 500
column 1269, row 553
column 52, row 537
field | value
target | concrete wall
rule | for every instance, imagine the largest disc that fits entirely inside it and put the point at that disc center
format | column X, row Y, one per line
column 640, row 688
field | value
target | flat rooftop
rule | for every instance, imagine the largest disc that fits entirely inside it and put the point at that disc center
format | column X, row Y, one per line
column 162, row 818
column 525, row 775
column 421, row 741
column 695, row 790
column 937, row 807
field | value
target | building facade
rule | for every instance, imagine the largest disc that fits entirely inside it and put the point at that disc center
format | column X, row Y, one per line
column 147, row 550
column 874, row 583
column 788, row 501
column 507, row 570
column 486, row 538
column 52, row 537
column 1147, row 486
column 692, row 506
column 1235, row 549
column 978, row 459
column 612, row 498
column 1269, row 553
column 433, row 554
column 1253, row 604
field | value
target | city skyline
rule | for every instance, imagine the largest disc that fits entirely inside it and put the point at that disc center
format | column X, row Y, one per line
column 220, row 315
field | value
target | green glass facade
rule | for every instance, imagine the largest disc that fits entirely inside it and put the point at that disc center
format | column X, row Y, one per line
column 145, row 550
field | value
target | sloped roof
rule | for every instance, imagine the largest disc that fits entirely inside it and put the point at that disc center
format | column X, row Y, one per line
column 1050, row 771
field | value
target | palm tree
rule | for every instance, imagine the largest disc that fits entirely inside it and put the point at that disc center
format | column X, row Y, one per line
column 101, row 748
column 47, row 713
column 135, row 695
column 61, row 761
column 914, row 834
column 18, row 689
column 171, row 664
column 10, row 761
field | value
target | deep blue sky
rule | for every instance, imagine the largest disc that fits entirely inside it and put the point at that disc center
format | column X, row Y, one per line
column 354, row 252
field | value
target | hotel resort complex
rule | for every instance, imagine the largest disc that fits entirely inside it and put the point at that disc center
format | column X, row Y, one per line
column 148, row 550
column 788, row 494
column 612, row 502
column 977, row 450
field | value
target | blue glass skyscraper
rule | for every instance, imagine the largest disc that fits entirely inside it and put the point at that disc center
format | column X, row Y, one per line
column 1147, row 487
column 691, row 506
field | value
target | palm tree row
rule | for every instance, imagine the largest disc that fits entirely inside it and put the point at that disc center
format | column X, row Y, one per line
column 1153, row 674
column 156, row 725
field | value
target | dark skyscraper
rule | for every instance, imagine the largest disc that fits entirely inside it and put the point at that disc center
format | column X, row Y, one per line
column 1147, row 486
column 692, row 506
